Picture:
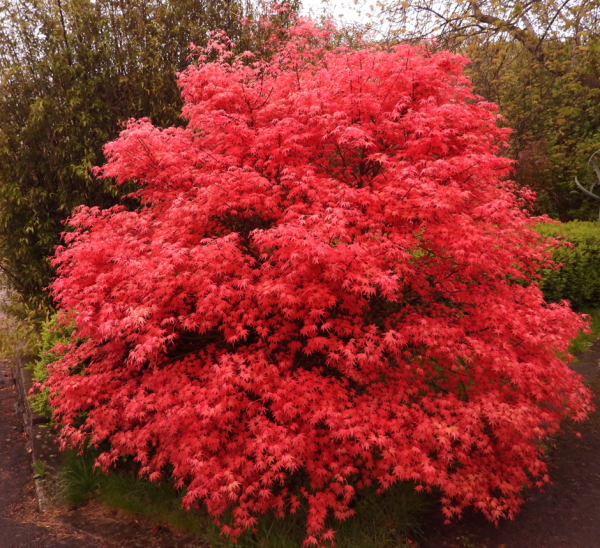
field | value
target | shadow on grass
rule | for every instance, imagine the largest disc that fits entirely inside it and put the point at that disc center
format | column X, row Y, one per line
column 381, row 521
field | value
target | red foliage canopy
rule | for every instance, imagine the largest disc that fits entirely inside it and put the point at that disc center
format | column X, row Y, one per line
column 329, row 284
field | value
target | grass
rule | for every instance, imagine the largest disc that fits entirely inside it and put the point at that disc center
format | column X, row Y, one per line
column 381, row 521
column 584, row 340
column 80, row 482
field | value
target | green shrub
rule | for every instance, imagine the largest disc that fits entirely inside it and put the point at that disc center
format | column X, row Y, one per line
column 19, row 324
column 578, row 280
column 53, row 332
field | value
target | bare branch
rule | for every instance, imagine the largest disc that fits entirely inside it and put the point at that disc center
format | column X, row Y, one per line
column 585, row 190
column 595, row 166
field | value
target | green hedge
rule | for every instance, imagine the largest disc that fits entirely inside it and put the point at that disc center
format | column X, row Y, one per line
column 578, row 281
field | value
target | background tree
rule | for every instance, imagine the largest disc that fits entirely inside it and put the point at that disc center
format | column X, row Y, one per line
column 70, row 71
column 540, row 62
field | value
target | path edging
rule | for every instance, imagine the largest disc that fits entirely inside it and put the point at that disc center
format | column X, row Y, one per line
column 41, row 445
column 38, row 436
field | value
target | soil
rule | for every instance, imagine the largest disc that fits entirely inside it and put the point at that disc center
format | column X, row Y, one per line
column 566, row 514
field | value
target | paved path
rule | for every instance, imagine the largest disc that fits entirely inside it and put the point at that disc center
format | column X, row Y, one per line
column 566, row 514
column 21, row 526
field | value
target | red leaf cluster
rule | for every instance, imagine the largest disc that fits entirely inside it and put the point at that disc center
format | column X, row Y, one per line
column 329, row 283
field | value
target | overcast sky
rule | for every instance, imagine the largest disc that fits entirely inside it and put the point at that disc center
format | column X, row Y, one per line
column 347, row 9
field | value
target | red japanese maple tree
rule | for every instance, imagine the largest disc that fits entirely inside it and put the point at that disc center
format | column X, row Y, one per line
column 330, row 283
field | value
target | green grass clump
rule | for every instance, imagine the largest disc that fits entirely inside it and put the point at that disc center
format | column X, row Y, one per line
column 584, row 340
column 381, row 521
column 80, row 481
column 384, row 521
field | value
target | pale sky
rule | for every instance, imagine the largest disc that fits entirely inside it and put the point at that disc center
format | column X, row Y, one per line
column 346, row 9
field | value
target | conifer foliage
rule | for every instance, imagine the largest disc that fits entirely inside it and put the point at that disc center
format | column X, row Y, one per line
column 330, row 284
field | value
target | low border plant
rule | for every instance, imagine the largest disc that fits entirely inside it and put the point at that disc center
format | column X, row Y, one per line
column 54, row 331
